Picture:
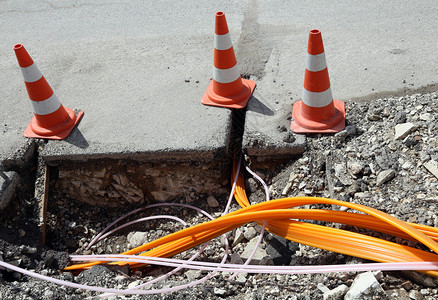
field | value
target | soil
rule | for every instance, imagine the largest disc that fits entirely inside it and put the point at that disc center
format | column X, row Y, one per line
column 363, row 164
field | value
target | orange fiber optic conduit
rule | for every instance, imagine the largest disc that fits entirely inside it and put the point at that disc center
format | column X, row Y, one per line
column 279, row 214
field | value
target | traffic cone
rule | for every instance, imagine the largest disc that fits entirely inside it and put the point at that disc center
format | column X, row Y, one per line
column 51, row 120
column 227, row 89
column 317, row 112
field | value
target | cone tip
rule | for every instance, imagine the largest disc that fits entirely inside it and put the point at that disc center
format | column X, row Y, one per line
column 24, row 59
column 315, row 45
column 221, row 26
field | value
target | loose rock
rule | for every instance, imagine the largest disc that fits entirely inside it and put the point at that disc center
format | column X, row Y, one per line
column 336, row 293
column 402, row 130
column 137, row 238
column 385, row 176
column 432, row 167
column 365, row 286
column 212, row 202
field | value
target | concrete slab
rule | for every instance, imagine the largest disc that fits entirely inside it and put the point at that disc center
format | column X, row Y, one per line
column 373, row 49
column 137, row 69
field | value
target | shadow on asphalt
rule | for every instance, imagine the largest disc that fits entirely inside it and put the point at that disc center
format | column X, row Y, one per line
column 77, row 139
column 258, row 107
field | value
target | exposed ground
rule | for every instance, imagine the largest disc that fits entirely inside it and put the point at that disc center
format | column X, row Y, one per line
column 368, row 163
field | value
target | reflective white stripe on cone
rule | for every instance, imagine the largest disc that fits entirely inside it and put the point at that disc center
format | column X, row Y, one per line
column 222, row 41
column 31, row 73
column 47, row 106
column 226, row 75
column 315, row 99
column 316, row 63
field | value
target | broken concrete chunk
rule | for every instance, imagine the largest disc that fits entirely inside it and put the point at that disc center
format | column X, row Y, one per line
column 192, row 275
column 402, row 130
column 385, row 176
column 259, row 254
column 355, row 167
column 289, row 184
column 322, row 287
column 336, row 294
column 249, row 233
column 286, row 189
column 238, row 236
column 219, row 291
column 8, row 184
column 426, row 117
column 432, row 167
column 365, row 286
column 342, row 174
column 415, row 295
column 137, row 238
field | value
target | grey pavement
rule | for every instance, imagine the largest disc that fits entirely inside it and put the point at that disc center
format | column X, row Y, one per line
column 139, row 68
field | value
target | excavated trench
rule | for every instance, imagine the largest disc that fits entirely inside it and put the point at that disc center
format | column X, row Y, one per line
column 119, row 181
column 57, row 194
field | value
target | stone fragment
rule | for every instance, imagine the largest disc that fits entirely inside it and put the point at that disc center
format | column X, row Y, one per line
column 240, row 278
column 134, row 284
column 355, row 167
column 365, row 286
column 212, row 202
column 238, row 236
column 378, row 275
column 236, row 259
column 137, row 238
column 275, row 291
column 336, row 293
column 289, row 184
column 426, row 117
column 420, row 278
column 259, row 254
column 249, row 233
column 192, row 275
column 385, row 176
column 322, row 287
column 8, row 184
column 432, row 167
column 400, row 117
column 219, row 291
column 286, row 189
column 48, row 294
column 351, row 129
column 407, row 285
column 341, row 136
column 342, row 174
column 415, row 295
column 407, row 165
column 402, row 130
column 373, row 117
column 397, row 294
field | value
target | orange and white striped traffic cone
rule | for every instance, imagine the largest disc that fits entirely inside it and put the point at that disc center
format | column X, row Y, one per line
column 317, row 112
column 227, row 89
column 51, row 120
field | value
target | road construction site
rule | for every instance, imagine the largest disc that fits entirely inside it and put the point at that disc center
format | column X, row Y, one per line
column 139, row 72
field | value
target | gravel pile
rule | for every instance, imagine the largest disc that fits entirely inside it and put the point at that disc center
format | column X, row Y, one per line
column 386, row 158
